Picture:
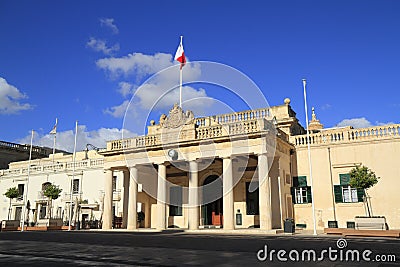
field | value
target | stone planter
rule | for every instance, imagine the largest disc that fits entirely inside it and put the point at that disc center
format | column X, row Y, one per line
column 10, row 225
column 370, row 223
column 49, row 222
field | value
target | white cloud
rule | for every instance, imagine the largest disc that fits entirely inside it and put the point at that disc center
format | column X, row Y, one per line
column 101, row 46
column 65, row 140
column 135, row 63
column 160, row 91
column 118, row 111
column 355, row 122
column 378, row 123
column 125, row 88
column 109, row 23
column 326, row 106
column 10, row 98
column 361, row 123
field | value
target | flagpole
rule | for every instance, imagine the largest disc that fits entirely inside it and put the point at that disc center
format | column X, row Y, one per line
column 54, row 141
column 309, row 160
column 73, row 176
column 27, row 183
column 54, row 147
column 180, row 80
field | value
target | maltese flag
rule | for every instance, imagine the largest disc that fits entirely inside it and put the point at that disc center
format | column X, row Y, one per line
column 180, row 54
column 54, row 130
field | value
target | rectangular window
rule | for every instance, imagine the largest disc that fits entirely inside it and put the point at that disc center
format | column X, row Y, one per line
column 42, row 212
column 252, row 203
column 75, row 186
column 114, row 183
column 301, row 193
column 347, row 194
column 175, row 196
column 21, row 189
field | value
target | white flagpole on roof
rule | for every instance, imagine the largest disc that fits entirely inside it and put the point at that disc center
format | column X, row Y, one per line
column 54, row 132
column 73, row 176
column 180, row 78
column 309, row 161
column 27, row 184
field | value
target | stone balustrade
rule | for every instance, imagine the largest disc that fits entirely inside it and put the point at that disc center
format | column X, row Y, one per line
column 341, row 135
column 238, row 127
column 262, row 113
column 66, row 196
column 26, row 148
column 64, row 166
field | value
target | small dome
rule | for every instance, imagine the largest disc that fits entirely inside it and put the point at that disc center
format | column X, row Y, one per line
column 287, row 101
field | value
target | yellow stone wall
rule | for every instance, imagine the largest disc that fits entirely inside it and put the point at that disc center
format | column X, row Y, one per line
column 381, row 156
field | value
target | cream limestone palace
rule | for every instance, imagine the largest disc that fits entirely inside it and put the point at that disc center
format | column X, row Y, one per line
column 241, row 170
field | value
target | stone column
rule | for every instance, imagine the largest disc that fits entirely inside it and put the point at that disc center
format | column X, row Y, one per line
column 161, row 196
column 193, row 195
column 227, row 185
column 108, row 200
column 264, row 193
column 132, row 206
column 125, row 199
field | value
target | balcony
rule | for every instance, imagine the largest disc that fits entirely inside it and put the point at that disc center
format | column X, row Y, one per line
column 348, row 135
column 66, row 197
column 17, row 201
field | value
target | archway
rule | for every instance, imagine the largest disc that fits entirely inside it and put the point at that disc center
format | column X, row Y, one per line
column 212, row 210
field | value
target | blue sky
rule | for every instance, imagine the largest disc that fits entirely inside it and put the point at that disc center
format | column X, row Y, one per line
column 83, row 60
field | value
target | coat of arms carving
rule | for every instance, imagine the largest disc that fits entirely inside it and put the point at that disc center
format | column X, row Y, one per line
column 176, row 118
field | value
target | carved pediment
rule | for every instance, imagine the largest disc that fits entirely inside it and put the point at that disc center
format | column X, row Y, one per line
column 176, row 118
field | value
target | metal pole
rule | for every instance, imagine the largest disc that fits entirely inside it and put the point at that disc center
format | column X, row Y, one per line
column 180, row 79
column 54, row 147
column 73, row 176
column 27, row 183
column 309, row 159
column 180, row 87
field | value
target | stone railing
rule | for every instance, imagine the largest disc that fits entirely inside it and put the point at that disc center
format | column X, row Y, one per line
column 82, row 164
column 35, row 149
column 66, row 196
column 262, row 113
column 201, row 133
column 348, row 135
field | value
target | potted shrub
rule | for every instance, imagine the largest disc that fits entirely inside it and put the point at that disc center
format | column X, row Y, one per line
column 363, row 178
column 52, row 192
column 11, row 193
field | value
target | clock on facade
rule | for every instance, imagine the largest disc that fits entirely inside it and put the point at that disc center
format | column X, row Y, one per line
column 173, row 154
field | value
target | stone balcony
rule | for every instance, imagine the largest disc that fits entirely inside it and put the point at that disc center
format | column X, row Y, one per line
column 348, row 135
column 219, row 131
column 56, row 167
column 218, row 127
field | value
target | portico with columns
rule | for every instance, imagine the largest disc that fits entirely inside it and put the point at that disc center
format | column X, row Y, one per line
column 226, row 171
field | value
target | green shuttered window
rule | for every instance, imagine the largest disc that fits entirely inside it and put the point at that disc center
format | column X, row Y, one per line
column 346, row 194
column 301, row 193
